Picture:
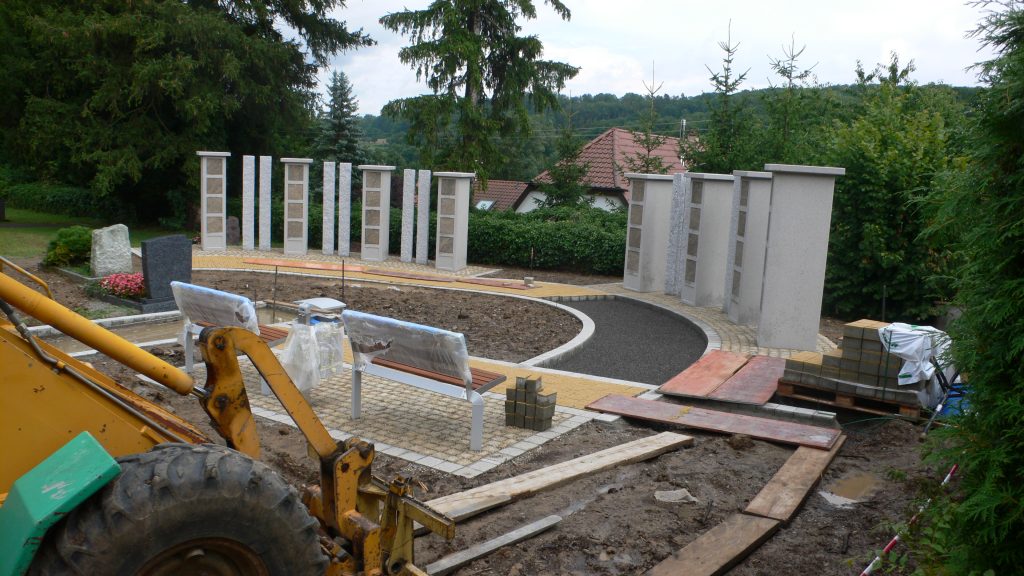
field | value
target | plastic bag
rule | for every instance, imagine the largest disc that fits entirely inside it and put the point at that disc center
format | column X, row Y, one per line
column 301, row 358
column 329, row 342
column 916, row 345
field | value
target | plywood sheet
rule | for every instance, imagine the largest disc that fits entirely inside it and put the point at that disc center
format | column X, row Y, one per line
column 785, row 493
column 483, row 497
column 718, row 549
column 705, row 375
column 755, row 383
column 715, row 421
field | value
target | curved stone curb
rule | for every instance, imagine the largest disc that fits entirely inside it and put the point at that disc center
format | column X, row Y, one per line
column 569, row 348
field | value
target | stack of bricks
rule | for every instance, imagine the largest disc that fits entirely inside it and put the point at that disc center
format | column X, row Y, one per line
column 861, row 368
column 526, row 407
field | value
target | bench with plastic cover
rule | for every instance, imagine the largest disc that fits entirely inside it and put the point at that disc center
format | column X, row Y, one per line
column 202, row 307
column 425, row 357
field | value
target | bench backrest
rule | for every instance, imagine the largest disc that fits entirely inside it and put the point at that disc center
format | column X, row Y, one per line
column 425, row 347
column 201, row 304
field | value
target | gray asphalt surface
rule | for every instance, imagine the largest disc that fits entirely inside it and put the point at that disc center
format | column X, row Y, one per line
column 634, row 342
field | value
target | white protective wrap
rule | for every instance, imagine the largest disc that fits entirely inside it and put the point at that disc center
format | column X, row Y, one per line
column 916, row 345
column 329, row 337
column 425, row 347
column 201, row 304
column 301, row 357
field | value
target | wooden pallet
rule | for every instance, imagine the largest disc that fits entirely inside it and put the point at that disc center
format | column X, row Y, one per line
column 847, row 401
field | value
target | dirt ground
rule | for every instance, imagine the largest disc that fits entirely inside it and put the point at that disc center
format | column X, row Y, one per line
column 612, row 523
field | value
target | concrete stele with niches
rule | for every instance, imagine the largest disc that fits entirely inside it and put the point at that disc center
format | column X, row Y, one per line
column 213, row 186
column 705, row 224
column 748, row 236
column 453, row 190
column 795, row 255
column 296, row 205
column 650, row 209
column 376, row 212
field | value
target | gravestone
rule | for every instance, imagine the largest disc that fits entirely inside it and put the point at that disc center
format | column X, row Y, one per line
column 111, row 252
column 234, row 231
column 164, row 260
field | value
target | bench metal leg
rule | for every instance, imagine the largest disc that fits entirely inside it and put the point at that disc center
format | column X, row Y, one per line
column 357, row 385
column 190, row 349
column 476, row 438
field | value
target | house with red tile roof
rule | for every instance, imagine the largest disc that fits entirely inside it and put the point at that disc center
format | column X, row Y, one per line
column 499, row 194
column 607, row 158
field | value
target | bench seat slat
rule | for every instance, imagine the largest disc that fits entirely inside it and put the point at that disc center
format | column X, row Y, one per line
column 481, row 378
column 269, row 334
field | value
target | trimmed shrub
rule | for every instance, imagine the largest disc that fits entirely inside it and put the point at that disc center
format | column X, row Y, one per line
column 60, row 199
column 72, row 245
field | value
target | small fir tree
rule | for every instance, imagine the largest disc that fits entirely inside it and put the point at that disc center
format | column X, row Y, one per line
column 567, row 186
column 647, row 160
column 338, row 138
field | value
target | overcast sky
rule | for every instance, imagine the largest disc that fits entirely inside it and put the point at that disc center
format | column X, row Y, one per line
column 615, row 42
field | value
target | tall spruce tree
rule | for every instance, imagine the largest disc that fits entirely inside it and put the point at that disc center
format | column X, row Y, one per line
column 481, row 72
column 338, row 138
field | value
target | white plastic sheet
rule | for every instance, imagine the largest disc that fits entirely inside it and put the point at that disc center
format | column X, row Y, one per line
column 916, row 345
column 201, row 304
column 329, row 342
column 301, row 357
column 426, row 347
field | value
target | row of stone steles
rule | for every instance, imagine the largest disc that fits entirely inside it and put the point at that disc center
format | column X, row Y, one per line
column 526, row 407
column 751, row 243
column 453, row 191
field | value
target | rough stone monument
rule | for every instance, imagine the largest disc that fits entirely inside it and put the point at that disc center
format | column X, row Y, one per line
column 408, row 213
column 650, row 207
column 164, row 260
column 213, row 180
column 748, row 236
column 111, row 251
column 296, row 205
column 376, row 212
column 234, row 231
column 453, row 189
column 794, row 262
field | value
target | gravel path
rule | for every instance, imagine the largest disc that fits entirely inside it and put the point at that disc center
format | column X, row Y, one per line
column 634, row 342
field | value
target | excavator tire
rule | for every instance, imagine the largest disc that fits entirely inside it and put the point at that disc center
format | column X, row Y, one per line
column 186, row 509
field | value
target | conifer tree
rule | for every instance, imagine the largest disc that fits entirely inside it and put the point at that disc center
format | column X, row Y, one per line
column 338, row 138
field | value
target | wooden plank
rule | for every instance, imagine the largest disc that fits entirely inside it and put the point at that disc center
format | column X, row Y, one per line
column 304, row 265
column 783, row 495
column 409, row 275
column 480, row 377
column 558, row 474
column 715, row 421
column 718, row 549
column 755, row 383
column 705, row 374
column 515, row 284
column 454, row 561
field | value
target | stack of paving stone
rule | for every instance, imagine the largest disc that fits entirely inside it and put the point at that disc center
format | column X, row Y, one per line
column 526, row 407
column 860, row 375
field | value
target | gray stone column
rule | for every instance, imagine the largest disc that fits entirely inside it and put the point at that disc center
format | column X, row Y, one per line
column 376, row 212
column 675, row 260
column 328, row 213
column 794, row 262
column 408, row 212
column 423, row 217
column 248, row 202
column 344, row 209
column 706, row 226
column 748, row 235
column 266, row 169
column 453, row 190
column 213, row 184
column 296, row 205
column 647, row 232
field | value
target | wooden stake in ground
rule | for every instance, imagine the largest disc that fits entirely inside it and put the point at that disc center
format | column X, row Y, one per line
column 461, row 558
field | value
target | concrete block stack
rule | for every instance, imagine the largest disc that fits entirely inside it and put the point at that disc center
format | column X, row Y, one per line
column 860, row 370
column 526, row 407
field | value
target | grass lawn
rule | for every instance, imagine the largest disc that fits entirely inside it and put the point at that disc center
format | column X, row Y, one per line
column 39, row 228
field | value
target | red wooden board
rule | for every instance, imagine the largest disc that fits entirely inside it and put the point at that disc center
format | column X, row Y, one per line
column 754, row 383
column 305, row 265
column 408, row 275
column 715, row 421
column 704, row 375
column 516, row 284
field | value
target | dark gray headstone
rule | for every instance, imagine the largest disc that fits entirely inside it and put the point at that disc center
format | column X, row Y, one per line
column 164, row 260
column 234, row 231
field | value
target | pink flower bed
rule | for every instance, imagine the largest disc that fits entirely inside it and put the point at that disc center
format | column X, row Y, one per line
column 124, row 285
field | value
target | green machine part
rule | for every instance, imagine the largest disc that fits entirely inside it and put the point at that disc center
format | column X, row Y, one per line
column 44, row 494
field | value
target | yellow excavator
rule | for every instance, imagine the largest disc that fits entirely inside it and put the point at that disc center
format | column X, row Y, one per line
column 97, row 480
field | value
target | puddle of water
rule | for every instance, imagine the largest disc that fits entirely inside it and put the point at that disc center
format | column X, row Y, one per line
column 856, row 487
column 162, row 330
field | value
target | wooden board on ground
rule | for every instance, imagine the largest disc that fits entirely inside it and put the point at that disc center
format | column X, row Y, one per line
column 408, row 275
column 705, row 375
column 483, row 497
column 515, row 284
column 715, row 421
column 785, row 493
column 463, row 557
column 755, row 383
column 718, row 549
column 304, row 265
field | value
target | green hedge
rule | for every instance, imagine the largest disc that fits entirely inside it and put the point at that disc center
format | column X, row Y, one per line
column 60, row 199
column 586, row 240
